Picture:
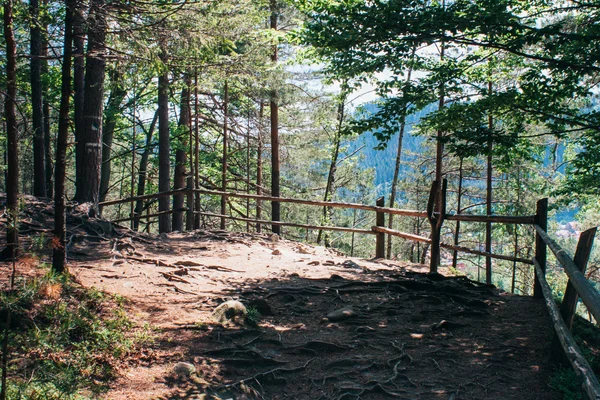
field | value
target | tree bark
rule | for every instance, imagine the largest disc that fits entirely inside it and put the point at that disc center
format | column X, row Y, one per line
column 88, row 187
column 488, row 198
column 458, row 211
column 12, row 136
column 224, row 157
column 143, row 172
column 275, row 162
column 78, row 84
column 330, row 186
column 46, row 110
column 179, row 178
column 259, row 164
column 59, row 256
column 164, row 146
column 398, row 159
column 196, row 152
column 113, row 110
column 37, row 103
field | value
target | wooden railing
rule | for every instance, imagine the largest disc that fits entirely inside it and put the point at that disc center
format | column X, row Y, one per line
column 379, row 230
column 578, row 286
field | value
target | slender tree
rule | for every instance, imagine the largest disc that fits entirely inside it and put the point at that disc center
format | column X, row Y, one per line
column 12, row 135
column 224, row 154
column 143, row 171
column 275, row 160
column 37, row 102
column 164, row 145
column 179, row 177
column 59, row 245
column 113, row 110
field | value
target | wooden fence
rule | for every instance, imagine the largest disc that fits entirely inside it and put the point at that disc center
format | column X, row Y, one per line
column 578, row 285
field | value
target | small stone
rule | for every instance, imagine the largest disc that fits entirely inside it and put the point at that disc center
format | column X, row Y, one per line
column 314, row 263
column 276, row 252
column 303, row 250
column 184, row 369
column 351, row 264
column 230, row 310
column 341, row 314
column 443, row 324
column 274, row 238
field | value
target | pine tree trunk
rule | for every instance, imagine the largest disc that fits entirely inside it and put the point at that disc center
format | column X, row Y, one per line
column 12, row 135
column 330, row 186
column 78, row 85
column 59, row 256
column 259, row 165
column 164, row 147
column 488, row 200
column 458, row 211
column 88, row 188
column 179, row 178
column 113, row 110
column 37, row 103
column 224, row 156
column 398, row 159
column 48, row 157
column 143, row 171
column 196, row 153
column 275, row 162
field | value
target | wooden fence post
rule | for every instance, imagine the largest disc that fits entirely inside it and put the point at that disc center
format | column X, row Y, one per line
column 380, row 238
column 569, row 303
column 581, row 258
column 541, row 219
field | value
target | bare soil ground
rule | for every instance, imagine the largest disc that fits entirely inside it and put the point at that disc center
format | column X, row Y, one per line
column 407, row 335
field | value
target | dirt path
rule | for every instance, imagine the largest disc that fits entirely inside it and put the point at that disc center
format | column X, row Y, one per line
column 397, row 333
column 407, row 336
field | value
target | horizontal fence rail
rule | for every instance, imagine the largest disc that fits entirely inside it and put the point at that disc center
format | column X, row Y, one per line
column 379, row 209
column 589, row 295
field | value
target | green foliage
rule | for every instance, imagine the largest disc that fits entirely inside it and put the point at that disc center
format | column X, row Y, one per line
column 587, row 337
column 567, row 383
column 64, row 339
column 253, row 316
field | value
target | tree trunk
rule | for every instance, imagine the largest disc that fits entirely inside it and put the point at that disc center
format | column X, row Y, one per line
column 259, row 166
column 458, row 211
column 488, row 199
column 12, row 136
column 275, row 171
column 398, row 159
column 37, row 103
column 224, row 157
column 196, row 153
column 59, row 256
column 436, row 226
column 164, row 146
column 78, row 84
column 143, row 172
column 88, row 188
column 113, row 110
column 179, row 178
column 330, row 186
column 46, row 109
